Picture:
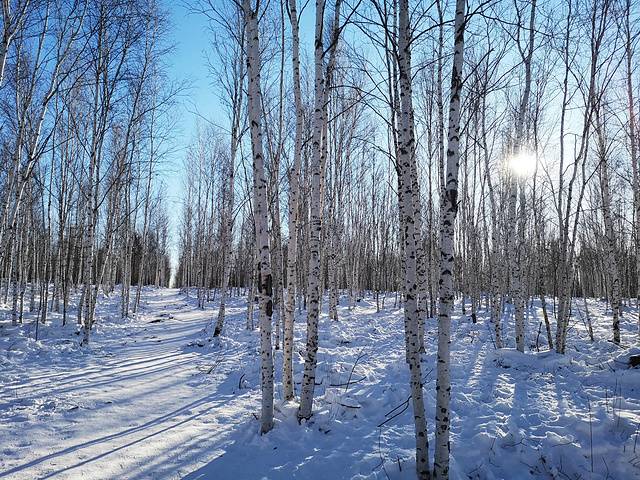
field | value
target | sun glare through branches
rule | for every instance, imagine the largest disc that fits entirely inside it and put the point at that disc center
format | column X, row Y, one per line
column 523, row 164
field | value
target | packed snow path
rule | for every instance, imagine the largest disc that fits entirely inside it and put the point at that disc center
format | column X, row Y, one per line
column 126, row 407
column 154, row 397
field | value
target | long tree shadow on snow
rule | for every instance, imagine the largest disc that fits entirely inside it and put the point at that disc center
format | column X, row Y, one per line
column 204, row 403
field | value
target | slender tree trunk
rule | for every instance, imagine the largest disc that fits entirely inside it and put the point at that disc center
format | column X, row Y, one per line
column 294, row 188
column 420, row 256
column 633, row 144
column 609, row 236
column 252, row 292
column 261, row 212
column 277, row 254
column 440, row 144
column 514, row 266
column 309, row 378
column 513, row 237
column 443, row 385
column 568, row 208
column 89, row 246
column 588, row 315
column 145, row 222
column 15, row 279
column 318, row 166
column 406, row 159
column 236, row 118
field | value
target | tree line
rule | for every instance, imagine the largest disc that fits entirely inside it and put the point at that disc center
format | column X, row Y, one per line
column 84, row 127
column 554, row 86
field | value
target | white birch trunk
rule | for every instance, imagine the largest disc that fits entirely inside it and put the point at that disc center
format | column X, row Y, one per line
column 228, row 212
column 440, row 129
column 495, row 267
column 632, row 132
column 513, row 238
column 91, row 200
column 227, row 238
column 333, row 246
column 289, row 317
column 610, row 254
column 443, row 385
column 309, row 378
column 16, row 247
column 420, row 257
column 278, row 259
column 564, row 266
column 318, row 169
column 89, row 252
column 406, row 159
column 276, row 254
column 251, row 295
column 568, row 207
column 145, row 220
column 514, row 266
column 588, row 315
column 261, row 212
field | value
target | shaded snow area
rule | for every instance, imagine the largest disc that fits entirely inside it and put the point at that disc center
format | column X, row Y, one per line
column 154, row 397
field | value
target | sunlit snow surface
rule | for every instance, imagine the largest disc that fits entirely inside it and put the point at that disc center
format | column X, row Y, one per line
column 154, row 398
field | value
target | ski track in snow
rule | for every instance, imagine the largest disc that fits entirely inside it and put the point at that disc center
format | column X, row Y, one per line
column 154, row 397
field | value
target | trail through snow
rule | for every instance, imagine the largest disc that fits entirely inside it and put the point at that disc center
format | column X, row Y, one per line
column 154, row 397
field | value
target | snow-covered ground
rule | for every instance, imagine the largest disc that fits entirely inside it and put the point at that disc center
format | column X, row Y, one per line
column 153, row 398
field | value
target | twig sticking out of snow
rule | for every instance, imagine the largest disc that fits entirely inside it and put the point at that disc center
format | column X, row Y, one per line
column 404, row 405
column 590, row 432
column 360, row 356
column 380, row 453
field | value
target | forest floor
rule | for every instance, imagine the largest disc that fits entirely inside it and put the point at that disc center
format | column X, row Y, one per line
column 154, row 397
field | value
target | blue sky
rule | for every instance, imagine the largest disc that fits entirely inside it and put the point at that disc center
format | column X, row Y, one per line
column 189, row 61
column 188, row 64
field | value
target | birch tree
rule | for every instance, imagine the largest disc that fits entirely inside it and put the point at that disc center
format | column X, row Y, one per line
column 229, row 73
column 152, row 94
column 318, row 164
column 603, row 157
column 632, row 132
column 260, row 211
column 115, row 37
column 443, row 386
column 406, row 159
column 294, row 189
column 512, row 239
column 570, row 192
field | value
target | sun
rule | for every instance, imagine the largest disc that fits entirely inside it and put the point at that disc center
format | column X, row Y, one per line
column 523, row 164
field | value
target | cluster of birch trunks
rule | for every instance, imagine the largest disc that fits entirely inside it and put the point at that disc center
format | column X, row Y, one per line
column 85, row 102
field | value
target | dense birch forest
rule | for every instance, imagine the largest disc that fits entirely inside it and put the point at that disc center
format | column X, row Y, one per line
column 415, row 153
column 85, row 103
